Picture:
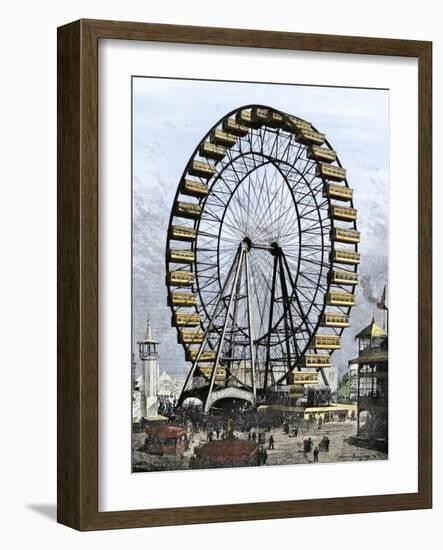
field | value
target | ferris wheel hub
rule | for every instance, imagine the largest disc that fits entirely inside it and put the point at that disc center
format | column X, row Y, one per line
column 276, row 250
column 247, row 243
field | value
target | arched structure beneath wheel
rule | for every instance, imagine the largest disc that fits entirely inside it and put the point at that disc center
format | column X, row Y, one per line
column 230, row 393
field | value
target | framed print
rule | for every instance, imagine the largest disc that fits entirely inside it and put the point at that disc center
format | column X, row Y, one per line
column 244, row 276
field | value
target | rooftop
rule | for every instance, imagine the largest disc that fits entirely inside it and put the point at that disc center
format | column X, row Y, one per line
column 166, row 431
column 227, row 449
column 372, row 331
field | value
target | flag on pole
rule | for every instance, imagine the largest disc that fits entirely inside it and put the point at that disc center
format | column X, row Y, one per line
column 381, row 304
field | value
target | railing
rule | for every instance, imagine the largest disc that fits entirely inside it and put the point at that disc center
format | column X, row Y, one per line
column 345, row 277
column 246, row 118
column 187, row 319
column 346, row 256
column 343, row 212
column 303, row 378
column 187, row 209
column 340, row 298
column 332, row 172
column 191, row 337
column 338, row 191
column 182, row 232
column 181, row 277
column 220, row 373
column 181, row 255
column 351, row 235
column 322, row 153
column 314, row 360
column 233, row 127
column 275, row 119
column 224, row 138
column 299, row 124
column 335, row 319
column 202, row 169
column 179, row 299
column 309, row 135
column 327, row 342
column 212, row 150
column 194, row 188
column 205, row 355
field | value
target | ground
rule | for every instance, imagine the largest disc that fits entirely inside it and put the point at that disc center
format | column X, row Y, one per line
column 288, row 449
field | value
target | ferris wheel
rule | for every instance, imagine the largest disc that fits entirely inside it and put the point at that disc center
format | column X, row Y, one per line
column 262, row 257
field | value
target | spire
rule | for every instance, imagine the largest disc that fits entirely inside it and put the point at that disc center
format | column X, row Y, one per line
column 148, row 333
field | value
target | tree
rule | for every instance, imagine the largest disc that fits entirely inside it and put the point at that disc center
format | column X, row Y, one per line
column 344, row 388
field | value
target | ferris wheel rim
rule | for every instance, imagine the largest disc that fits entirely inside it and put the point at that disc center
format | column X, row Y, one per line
column 275, row 163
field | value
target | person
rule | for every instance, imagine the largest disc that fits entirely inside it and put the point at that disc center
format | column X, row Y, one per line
column 271, row 442
column 320, row 421
column 254, row 437
column 316, row 454
column 332, row 417
column 210, row 435
column 264, row 455
column 259, row 457
column 309, row 445
column 217, row 431
column 295, row 431
column 353, row 415
column 323, row 443
column 229, row 429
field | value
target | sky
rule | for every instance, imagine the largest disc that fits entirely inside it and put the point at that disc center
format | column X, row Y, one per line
column 171, row 116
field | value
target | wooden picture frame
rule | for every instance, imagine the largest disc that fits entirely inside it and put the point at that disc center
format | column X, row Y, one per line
column 78, row 274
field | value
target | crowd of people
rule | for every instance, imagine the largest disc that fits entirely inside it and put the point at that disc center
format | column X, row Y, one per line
column 166, row 404
column 220, row 433
column 308, row 443
column 254, row 428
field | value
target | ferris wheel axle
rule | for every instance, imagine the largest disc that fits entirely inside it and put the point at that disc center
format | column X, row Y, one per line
column 275, row 249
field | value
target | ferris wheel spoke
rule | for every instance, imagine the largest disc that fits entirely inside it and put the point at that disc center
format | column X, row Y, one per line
column 243, row 210
column 259, row 274
column 307, row 298
column 282, row 216
column 262, row 305
column 258, row 187
column 296, row 303
column 284, row 150
column 275, row 214
column 319, row 263
column 269, row 208
column 316, row 208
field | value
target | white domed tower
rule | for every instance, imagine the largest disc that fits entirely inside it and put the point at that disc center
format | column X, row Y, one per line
column 148, row 353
